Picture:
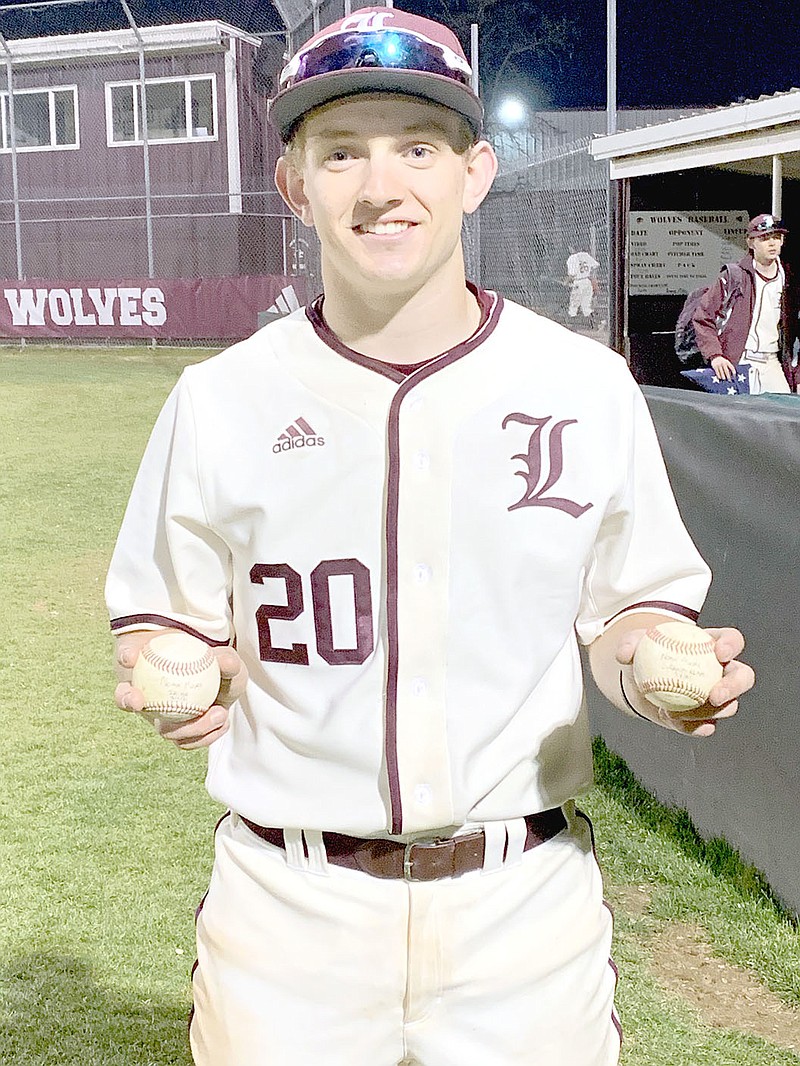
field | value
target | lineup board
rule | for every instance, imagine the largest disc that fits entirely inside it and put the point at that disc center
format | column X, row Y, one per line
column 672, row 252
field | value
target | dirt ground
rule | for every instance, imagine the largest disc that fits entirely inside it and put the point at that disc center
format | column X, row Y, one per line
column 726, row 996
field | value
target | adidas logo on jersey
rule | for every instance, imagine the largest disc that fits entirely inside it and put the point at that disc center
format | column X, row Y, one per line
column 298, row 435
column 286, row 302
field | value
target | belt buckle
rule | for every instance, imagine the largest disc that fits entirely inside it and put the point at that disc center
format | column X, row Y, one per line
column 408, row 863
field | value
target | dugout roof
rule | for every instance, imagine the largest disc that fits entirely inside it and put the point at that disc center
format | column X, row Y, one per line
column 742, row 137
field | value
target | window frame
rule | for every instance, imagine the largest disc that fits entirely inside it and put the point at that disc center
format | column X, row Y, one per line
column 50, row 91
column 132, row 83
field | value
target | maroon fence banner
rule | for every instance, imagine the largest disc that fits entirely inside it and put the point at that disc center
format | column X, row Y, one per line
column 216, row 309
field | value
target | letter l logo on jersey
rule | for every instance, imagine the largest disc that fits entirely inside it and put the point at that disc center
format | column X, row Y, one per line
column 538, row 478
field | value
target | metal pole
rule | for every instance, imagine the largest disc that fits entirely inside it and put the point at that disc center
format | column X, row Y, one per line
column 777, row 185
column 148, row 199
column 616, row 225
column 476, row 218
column 611, row 66
column 619, row 200
column 12, row 137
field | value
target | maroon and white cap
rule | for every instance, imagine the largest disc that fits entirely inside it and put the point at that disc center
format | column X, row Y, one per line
column 377, row 49
column 763, row 225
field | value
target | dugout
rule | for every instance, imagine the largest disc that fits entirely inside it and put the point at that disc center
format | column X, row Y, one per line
column 706, row 171
column 734, row 464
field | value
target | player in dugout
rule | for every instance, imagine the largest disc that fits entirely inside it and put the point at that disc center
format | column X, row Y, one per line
column 403, row 875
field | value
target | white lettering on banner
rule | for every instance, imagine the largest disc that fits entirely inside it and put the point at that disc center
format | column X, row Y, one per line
column 60, row 307
column 127, row 307
column 133, row 306
column 81, row 318
column 26, row 309
column 154, row 309
column 104, row 304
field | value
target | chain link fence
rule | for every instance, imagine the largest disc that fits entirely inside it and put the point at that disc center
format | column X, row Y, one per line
column 131, row 151
column 542, row 210
column 137, row 151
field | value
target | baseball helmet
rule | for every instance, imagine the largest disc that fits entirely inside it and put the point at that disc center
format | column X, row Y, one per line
column 377, row 49
column 762, row 225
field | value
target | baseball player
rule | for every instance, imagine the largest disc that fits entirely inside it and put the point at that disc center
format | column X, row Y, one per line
column 581, row 293
column 404, row 514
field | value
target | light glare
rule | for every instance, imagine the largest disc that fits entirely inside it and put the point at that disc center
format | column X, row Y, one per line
column 511, row 111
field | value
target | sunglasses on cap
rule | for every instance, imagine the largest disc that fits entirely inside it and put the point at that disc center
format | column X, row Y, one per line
column 766, row 225
column 387, row 49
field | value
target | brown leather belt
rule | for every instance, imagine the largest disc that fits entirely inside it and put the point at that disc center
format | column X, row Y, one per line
column 421, row 860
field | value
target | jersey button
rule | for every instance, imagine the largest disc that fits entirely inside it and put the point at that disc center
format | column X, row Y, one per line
column 419, row 687
column 422, row 573
column 422, row 461
column 423, row 794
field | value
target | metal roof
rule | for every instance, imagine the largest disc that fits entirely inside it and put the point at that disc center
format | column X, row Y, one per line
column 736, row 135
column 182, row 36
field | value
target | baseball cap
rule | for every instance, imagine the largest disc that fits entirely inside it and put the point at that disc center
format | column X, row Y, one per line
column 761, row 225
column 377, row 49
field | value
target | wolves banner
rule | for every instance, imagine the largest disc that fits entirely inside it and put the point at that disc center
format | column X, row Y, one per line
column 216, row 309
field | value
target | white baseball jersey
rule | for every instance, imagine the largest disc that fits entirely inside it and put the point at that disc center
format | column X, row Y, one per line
column 404, row 563
column 580, row 265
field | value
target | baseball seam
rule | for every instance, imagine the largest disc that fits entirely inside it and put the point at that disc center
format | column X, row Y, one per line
column 680, row 647
column 161, row 662
column 182, row 709
column 668, row 684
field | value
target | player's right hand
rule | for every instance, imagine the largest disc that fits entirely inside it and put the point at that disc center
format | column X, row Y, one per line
column 723, row 368
column 199, row 732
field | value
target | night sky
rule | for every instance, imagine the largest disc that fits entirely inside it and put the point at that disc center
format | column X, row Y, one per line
column 678, row 54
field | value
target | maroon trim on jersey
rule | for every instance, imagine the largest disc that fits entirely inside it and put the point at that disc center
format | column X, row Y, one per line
column 166, row 623
column 660, row 605
column 487, row 301
column 491, row 306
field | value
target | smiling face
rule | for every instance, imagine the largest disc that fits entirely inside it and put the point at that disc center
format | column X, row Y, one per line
column 385, row 180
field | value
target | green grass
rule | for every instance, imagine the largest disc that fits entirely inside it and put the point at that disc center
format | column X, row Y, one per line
column 107, row 832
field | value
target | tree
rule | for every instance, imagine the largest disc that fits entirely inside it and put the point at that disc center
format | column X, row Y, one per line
column 522, row 44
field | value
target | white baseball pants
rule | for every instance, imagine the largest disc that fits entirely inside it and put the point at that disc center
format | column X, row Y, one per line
column 580, row 298
column 766, row 373
column 328, row 966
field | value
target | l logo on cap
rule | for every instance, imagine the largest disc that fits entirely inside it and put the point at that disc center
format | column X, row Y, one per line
column 365, row 23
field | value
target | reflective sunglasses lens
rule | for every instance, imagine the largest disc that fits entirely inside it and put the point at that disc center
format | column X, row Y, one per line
column 399, row 51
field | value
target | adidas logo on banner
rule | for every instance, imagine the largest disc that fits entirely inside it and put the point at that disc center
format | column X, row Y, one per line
column 298, row 435
column 285, row 303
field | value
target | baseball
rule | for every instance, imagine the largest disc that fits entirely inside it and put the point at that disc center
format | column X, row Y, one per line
column 178, row 675
column 675, row 666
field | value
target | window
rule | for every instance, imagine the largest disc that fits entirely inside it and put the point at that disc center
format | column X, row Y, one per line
column 43, row 118
column 181, row 109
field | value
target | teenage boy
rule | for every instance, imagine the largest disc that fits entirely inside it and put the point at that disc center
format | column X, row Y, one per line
column 757, row 335
column 403, row 874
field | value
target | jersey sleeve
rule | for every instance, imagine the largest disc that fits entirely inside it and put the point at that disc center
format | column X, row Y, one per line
column 169, row 566
column 644, row 558
column 705, row 318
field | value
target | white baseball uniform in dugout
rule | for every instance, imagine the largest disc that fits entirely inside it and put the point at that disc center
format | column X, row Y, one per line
column 579, row 269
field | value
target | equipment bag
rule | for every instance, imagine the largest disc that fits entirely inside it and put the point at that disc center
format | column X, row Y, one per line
column 685, row 339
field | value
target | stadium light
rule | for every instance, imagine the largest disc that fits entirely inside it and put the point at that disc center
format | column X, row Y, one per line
column 512, row 111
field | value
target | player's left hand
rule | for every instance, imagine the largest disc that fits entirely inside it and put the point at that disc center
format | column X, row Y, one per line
column 723, row 700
